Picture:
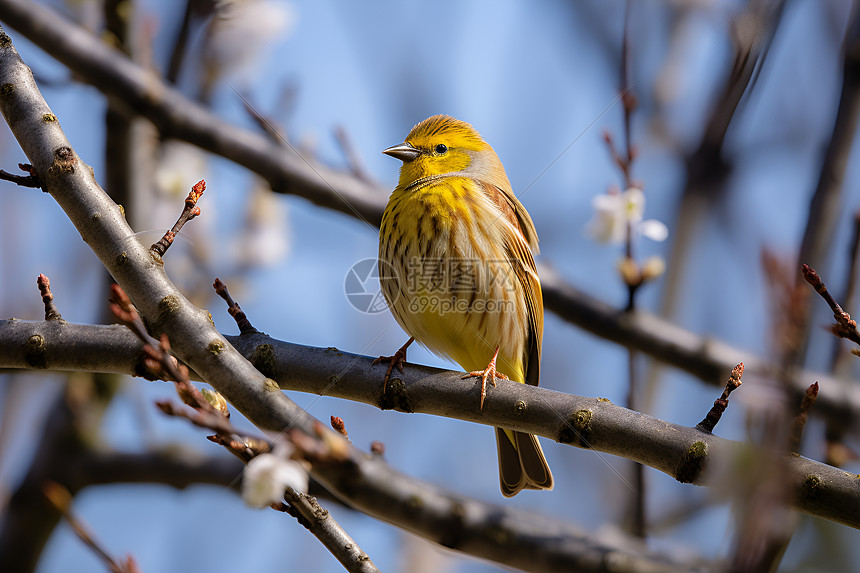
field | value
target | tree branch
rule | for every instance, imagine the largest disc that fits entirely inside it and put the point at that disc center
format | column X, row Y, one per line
column 179, row 468
column 679, row 451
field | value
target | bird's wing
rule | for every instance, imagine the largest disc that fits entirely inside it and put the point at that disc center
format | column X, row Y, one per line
column 527, row 227
column 517, row 245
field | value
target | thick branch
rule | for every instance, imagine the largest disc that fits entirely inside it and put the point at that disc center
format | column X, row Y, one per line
column 679, row 451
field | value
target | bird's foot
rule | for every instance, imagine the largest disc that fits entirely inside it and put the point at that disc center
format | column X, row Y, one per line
column 398, row 360
column 488, row 374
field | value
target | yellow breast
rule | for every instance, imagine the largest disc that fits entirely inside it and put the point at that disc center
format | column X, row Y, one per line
column 447, row 277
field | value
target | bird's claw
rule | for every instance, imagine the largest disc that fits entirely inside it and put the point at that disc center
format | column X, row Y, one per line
column 398, row 359
column 489, row 373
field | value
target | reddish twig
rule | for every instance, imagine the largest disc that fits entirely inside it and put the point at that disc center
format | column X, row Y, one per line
column 244, row 447
column 121, row 307
column 800, row 420
column 205, row 413
column 190, row 211
column 845, row 326
column 721, row 403
column 31, row 180
column 158, row 360
column 60, row 498
column 51, row 311
column 202, row 417
column 245, row 326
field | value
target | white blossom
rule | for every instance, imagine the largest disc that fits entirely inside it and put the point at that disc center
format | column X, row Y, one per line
column 613, row 211
column 266, row 478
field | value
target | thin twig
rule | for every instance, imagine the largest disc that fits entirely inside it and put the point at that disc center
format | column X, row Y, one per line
column 631, row 270
column 245, row 326
column 721, row 403
column 845, row 326
column 31, row 180
column 800, row 420
column 51, row 311
column 190, row 211
column 840, row 361
column 60, row 498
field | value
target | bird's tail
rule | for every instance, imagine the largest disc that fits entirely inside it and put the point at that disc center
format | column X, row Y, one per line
column 522, row 464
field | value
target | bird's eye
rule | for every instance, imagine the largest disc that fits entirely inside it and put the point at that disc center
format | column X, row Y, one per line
column 441, row 149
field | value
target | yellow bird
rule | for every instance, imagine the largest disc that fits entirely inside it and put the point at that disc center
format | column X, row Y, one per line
column 457, row 271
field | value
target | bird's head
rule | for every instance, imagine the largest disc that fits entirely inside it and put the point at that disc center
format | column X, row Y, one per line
column 442, row 144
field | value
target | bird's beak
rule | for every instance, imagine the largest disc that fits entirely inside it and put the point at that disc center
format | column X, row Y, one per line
column 404, row 152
